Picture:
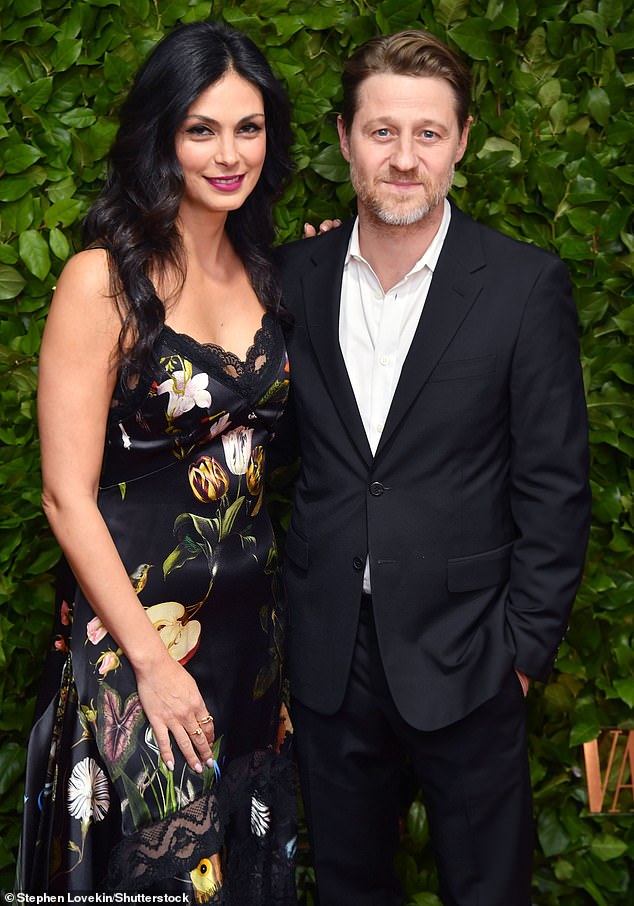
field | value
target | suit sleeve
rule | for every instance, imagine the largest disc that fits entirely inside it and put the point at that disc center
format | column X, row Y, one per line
column 284, row 448
column 550, row 494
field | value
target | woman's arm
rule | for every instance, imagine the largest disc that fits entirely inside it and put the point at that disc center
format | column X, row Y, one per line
column 76, row 383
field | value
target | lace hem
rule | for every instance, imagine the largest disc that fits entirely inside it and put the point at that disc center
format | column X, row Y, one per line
column 250, row 813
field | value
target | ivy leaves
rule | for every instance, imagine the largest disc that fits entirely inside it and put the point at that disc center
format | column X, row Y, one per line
column 549, row 161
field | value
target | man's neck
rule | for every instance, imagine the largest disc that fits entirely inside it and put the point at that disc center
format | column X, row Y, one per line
column 392, row 251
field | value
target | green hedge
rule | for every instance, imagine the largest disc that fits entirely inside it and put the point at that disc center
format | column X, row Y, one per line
column 549, row 162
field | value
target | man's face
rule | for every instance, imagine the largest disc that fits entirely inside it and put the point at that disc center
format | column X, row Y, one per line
column 402, row 146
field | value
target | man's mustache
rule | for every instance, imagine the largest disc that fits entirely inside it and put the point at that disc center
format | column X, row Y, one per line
column 409, row 177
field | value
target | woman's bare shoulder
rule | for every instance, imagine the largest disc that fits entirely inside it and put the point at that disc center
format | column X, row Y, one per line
column 82, row 303
column 89, row 271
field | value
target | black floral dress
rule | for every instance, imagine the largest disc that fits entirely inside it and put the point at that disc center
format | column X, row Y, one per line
column 182, row 494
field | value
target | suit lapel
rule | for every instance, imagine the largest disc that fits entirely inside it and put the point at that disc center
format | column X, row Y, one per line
column 454, row 288
column 322, row 296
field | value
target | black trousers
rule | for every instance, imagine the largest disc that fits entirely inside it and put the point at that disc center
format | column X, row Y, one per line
column 474, row 778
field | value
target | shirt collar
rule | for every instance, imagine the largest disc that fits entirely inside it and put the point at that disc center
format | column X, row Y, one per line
column 428, row 259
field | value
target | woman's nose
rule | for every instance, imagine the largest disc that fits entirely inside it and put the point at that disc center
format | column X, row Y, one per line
column 226, row 152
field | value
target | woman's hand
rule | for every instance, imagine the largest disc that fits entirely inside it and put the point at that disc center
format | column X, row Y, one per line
column 324, row 227
column 173, row 705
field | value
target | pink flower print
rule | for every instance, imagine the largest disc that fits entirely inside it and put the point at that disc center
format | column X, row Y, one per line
column 218, row 426
column 108, row 661
column 66, row 613
column 95, row 630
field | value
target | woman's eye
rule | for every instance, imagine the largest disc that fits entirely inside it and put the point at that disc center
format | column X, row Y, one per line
column 199, row 129
column 250, row 128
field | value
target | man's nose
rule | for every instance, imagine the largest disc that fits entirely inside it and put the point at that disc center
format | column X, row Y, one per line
column 404, row 156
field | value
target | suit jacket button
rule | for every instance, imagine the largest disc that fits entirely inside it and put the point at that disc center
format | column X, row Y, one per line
column 376, row 489
column 358, row 563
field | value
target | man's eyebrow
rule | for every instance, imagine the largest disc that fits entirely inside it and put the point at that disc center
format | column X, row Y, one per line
column 389, row 120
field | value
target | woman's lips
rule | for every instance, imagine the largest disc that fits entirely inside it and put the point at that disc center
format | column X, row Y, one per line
column 226, row 183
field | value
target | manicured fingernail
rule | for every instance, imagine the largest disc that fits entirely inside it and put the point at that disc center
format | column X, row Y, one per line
column 169, row 765
column 198, row 767
column 210, row 762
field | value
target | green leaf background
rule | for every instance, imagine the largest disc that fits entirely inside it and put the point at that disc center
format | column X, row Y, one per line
column 549, row 162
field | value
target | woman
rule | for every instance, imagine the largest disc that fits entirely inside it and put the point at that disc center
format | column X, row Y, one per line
column 153, row 761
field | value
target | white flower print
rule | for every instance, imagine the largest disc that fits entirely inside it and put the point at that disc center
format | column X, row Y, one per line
column 150, row 740
column 237, row 444
column 260, row 817
column 185, row 392
column 125, row 437
column 88, row 793
column 186, row 794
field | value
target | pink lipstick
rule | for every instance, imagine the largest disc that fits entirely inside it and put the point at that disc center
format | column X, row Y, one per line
column 226, row 183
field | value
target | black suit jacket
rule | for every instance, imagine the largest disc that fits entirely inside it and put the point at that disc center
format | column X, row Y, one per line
column 475, row 508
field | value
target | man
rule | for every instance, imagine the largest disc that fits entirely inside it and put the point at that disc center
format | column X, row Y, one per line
column 441, row 513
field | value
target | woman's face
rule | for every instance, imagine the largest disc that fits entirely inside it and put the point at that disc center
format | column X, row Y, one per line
column 221, row 146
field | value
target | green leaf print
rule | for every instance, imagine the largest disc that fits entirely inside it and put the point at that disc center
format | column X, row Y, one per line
column 183, row 552
column 137, row 805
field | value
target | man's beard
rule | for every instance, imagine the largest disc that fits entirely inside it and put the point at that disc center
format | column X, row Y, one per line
column 397, row 213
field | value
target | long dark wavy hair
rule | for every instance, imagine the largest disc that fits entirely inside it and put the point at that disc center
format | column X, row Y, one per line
column 135, row 215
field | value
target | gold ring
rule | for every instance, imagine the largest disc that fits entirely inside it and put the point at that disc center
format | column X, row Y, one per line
column 197, row 732
column 205, row 720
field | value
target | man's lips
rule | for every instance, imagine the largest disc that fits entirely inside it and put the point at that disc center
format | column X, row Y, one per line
column 226, row 183
column 404, row 183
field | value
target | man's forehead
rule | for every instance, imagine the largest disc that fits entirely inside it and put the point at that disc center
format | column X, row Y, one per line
column 384, row 94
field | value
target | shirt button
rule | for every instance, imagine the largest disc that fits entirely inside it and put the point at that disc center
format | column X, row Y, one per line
column 376, row 489
column 385, row 360
column 358, row 563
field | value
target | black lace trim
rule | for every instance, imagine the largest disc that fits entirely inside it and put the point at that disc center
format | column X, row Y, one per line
column 259, row 868
column 252, row 374
column 268, row 344
column 254, row 360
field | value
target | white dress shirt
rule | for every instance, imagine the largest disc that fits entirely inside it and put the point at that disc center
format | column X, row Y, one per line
column 376, row 329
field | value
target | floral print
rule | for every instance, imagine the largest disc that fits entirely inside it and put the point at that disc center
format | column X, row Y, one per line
column 255, row 470
column 95, row 631
column 185, row 391
column 108, row 661
column 237, row 444
column 181, row 492
column 208, row 480
column 88, row 792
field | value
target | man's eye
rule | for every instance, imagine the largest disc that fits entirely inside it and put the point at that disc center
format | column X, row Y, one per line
column 429, row 133
column 382, row 133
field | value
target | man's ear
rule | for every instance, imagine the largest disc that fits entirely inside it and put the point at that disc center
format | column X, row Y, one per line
column 343, row 138
column 462, row 144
